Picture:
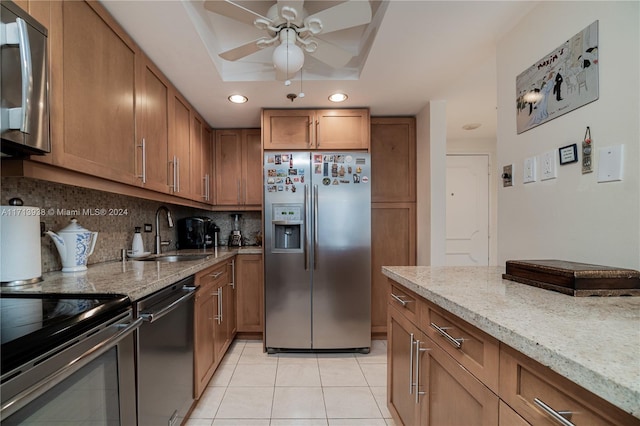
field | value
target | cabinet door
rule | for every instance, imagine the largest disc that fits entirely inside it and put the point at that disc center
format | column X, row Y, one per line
column 196, row 174
column 153, row 127
column 203, row 344
column 230, row 303
column 342, row 129
column 392, row 243
column 288, row 129
column 448, row 393
column 179, row 145
column 252, row 167
column 393, row 159
column 401, row 400
column 228, row 167
column 207, row 163
column 93, row 117
column 249, row 290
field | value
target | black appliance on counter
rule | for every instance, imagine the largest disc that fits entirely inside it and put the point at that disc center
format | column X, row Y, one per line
column 53, row 345
column 197, row 232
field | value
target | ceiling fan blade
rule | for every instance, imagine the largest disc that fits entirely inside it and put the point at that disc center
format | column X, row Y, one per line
column 291, row 4
column 241, row 51
column 330, row 54
column 232, row 10
column 345, row 15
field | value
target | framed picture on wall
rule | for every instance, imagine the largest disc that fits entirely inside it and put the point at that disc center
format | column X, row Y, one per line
column 568, row 154
column 558, row 83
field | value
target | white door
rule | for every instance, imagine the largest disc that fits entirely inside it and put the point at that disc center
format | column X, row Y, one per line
column 467, row 210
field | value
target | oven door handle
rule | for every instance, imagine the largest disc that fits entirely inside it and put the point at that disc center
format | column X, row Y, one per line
column 29, row 394
column 151, row 316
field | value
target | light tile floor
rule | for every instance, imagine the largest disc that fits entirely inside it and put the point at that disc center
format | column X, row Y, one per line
column 251, row 388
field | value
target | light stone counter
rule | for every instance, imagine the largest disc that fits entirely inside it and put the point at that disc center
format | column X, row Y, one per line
column 135, row 279
column 593, row 341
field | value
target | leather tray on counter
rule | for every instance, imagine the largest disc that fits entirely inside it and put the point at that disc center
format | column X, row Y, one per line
column 575, row 279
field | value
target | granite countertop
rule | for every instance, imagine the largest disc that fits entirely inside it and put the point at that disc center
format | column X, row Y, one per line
column 135, row 279
column 593, row 341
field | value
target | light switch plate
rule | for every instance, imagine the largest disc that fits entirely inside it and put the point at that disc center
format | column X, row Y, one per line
column 610, row 161
column 548, row 169
column 529, row 170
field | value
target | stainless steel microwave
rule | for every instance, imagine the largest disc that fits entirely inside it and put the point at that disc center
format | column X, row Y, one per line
column 24, row 84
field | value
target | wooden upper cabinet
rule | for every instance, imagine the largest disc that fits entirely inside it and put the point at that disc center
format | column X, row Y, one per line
column 252, row 167
column 179, row 145
column 393, row 159
column 93, row 73
column 339, row 129
column 238, row 167
column 153, row 127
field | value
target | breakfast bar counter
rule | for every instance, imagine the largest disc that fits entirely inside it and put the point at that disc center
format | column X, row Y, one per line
column 592, row 341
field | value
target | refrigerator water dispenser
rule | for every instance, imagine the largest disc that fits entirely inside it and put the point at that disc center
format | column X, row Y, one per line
column 287, row 227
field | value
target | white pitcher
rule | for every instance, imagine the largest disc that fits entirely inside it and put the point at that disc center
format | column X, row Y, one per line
column 75, row 244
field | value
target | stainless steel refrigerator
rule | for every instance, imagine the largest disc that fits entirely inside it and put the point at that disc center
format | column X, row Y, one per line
column 317, row 213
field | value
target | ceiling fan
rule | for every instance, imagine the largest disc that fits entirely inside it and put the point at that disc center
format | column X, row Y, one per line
column 294, row 32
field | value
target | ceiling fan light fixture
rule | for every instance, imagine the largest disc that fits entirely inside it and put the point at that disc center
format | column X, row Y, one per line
column 238, row 99
column 288, row 58
column 338, row 97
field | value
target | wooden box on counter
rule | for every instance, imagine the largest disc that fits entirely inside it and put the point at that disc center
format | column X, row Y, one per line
column 573, row 278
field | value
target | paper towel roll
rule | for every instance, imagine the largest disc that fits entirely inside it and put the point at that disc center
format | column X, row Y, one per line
column 20, row 243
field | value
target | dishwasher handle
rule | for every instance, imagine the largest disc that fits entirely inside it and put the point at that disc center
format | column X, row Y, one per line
column 154, row 315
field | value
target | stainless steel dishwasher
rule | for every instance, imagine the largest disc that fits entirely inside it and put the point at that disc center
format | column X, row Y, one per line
column 165, row 355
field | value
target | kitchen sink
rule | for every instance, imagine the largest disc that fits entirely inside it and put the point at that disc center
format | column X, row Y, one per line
column 174, row 258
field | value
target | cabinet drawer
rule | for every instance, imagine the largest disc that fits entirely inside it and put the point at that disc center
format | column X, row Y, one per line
column 406, row 302
column 526, row 385
column 473, row 349
column 215, row 275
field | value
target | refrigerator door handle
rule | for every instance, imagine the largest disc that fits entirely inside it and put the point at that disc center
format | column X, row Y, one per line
column 306, row 236
column 315, row 227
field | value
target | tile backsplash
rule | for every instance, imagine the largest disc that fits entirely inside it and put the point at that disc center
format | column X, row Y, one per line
column 113, row 216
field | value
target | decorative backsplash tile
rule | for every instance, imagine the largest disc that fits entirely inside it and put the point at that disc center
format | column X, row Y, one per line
column 113, row 216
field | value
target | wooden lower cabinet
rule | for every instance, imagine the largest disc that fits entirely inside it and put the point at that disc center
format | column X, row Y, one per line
column 214, row 322
column 393, row 242
column 428, row 387
column 482, row 382
column 249, row 289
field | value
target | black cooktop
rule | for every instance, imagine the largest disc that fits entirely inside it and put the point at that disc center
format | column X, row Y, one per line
column 32, row 324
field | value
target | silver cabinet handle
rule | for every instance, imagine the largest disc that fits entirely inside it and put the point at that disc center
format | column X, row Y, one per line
column 417, row 356
column 403, row 302
column 143, row 146
column 173, row 166
column 562, row 417
column 238, row 195
column 204, row 187
column 411, row 341
column 216, row 274
column 208, row 187
column 318, row 133
column 457, row 343
column 17, row 34
column 233, row 274
column 218, row 294
column 178, row 173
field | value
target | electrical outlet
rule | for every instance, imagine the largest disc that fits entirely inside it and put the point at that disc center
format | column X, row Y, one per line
column 507, row 175
column 529, row 172
column 148, row 227
column 548, row 169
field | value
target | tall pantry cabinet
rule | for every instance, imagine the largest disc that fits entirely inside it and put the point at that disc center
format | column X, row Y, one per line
column 393, row 206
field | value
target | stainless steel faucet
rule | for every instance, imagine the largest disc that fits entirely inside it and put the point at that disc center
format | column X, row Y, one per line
column 159, row 242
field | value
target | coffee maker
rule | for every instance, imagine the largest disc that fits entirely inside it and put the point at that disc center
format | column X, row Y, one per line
column 235, row 237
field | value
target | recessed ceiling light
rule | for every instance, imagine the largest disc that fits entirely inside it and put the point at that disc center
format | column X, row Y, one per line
column 471, row 126
column 338, row 97
column 238, row 99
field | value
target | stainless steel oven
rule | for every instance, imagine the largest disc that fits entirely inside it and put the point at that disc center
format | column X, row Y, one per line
column 67, row 359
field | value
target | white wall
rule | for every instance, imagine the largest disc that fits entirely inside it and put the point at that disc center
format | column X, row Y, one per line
column 573, row 217
column 431, row 139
